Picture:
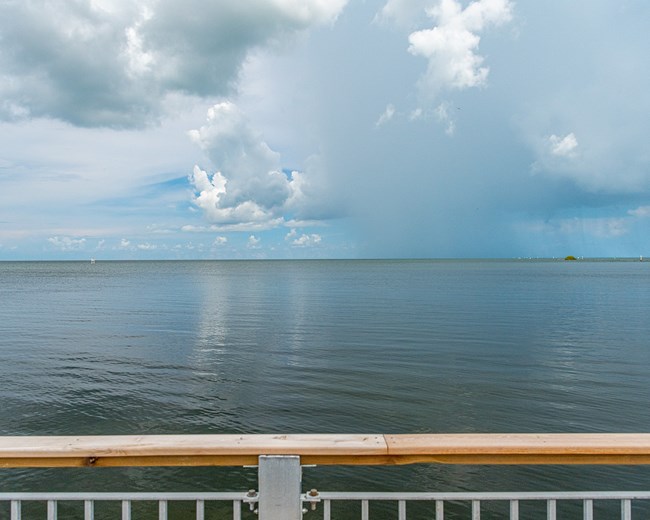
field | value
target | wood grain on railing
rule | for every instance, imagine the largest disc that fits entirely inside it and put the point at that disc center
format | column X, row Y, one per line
column 324, row 449
column 512, row 448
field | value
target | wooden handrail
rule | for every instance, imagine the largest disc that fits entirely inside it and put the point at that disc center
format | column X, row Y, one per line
column 325, row 449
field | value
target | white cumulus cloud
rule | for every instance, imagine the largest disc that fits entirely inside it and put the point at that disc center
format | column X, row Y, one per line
column 563, row 146
column 451, row 46
column 249, row 189
column 307, row 240
column 303, row 240
column 67, row 243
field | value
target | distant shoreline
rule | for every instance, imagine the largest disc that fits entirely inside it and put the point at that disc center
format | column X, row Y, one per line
column 461, row 259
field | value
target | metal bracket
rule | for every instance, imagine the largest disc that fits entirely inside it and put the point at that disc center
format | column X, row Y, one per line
column 280, row 478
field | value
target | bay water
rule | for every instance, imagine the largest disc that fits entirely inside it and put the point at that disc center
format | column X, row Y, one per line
column 331, row 346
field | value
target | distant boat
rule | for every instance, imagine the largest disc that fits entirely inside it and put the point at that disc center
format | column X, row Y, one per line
column 641, row 258
column 92, row 260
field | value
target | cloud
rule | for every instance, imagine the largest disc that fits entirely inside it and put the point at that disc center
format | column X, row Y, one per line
column 595, row 164
column 307, row 240
column 416, row 114
column 403, row 12
column 451, row 45
column 67, row 243
column 303, row 223
column 220, row 241
column 249, row 189
column 212, row 200
column 95, row 63
column 253, row 242
column 640, row 212
column 386, row 116
column 249, row 186
column 127, row 245
column 563, row 157
column 563, row 146
column 442, row 114
column 238, row 226
column 303, row 240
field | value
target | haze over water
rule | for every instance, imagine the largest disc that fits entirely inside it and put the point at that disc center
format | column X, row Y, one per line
column 325, row 346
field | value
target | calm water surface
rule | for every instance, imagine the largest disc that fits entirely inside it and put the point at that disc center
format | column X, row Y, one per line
column 325, row 346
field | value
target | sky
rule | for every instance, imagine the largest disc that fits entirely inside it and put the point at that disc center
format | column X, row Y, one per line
column 222, row 129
